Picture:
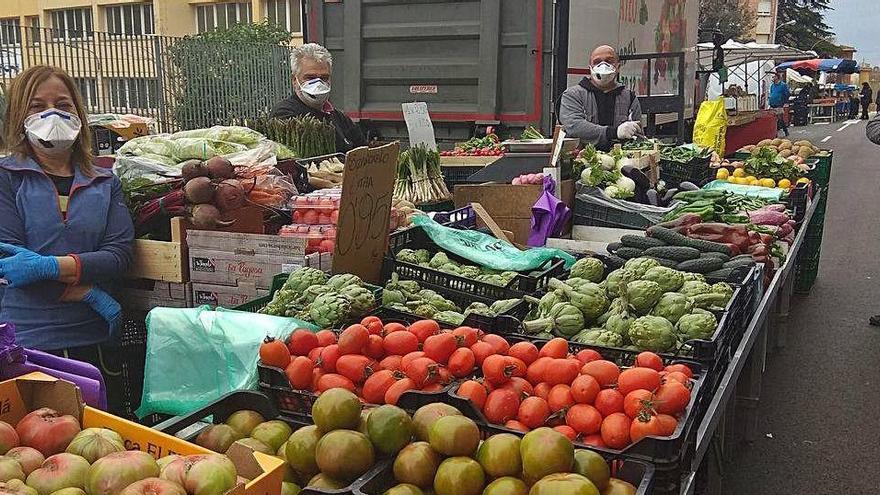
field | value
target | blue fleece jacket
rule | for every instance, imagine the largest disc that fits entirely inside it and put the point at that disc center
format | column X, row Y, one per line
column 98, row 231
column 779, row 94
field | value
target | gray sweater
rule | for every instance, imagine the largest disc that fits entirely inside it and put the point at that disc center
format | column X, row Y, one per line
column 873, row 130
column 579, row 115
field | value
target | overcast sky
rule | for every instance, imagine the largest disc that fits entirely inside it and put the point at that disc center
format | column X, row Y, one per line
column 856, row 22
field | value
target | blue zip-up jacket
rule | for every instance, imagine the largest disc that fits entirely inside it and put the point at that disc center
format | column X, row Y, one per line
column 779, row 94
column 98, row 231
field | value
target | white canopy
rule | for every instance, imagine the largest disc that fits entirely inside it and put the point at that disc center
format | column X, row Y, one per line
column 795, row 76
column 736, row 53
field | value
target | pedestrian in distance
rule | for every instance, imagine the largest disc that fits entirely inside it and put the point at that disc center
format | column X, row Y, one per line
column 779, row 95
column 866, row 98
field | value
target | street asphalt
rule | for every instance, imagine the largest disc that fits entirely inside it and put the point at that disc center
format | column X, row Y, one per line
column 819, row 414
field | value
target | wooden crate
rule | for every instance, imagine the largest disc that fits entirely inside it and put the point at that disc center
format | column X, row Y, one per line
column 165, row 261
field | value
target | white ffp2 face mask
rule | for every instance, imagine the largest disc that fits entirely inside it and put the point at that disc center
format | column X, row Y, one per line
column 316, row 92
column 52, row 131
column 603, row 74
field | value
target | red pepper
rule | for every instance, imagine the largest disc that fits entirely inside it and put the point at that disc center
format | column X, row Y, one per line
column 721, row 232
column 766, row 239
column 685, row 220
column 734, row 249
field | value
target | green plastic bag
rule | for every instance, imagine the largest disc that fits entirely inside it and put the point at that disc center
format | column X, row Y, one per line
column 770, row 193
column 489, row 251
column 195, row 356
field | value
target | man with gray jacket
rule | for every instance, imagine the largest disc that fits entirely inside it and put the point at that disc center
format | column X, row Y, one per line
column 599, row 109
column 873, row 129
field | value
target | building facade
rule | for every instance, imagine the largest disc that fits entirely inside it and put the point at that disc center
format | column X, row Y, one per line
column 766, row 12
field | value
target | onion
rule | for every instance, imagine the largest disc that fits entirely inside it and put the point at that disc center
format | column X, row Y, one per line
column 517, row 181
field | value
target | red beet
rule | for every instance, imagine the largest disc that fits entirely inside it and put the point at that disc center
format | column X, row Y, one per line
column 220, row 168
column 229, row 196
column 199, row 191
column 205, row 216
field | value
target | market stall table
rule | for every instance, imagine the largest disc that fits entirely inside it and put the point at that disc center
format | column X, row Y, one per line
column 762, row 127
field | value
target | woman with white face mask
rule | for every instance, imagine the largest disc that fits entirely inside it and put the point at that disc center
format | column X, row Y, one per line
column 65, row 231
column 599, row 110
column 312, row 67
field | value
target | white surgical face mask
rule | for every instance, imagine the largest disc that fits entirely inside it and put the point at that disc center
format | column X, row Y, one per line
column 603, row 74
column 315, row 92
column 52, row 131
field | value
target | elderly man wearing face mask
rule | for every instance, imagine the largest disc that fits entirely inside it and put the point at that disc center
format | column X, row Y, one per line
column 312, row 66
column 599, row 110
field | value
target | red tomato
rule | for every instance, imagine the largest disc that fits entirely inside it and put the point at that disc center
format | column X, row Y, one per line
column 501, row 405
column 400, row 343
column 353, row 339
column 325, row 338
column 499, row 343
column 648, row 359
column 587, row 355
column 392, row 395
column 375, row 347
column 609, row 401
column 560, row 397
column 671, row 398
column 676, row 376
column 497, row 370
column 373, row 324
column 584, row 389
column 555, row 348
column 328, row 357
column 594, row 440
column 315, row 353
column 615, row 430
column 299, row 373
column 377, row 385
column 332, row 380
column 516, row 425
column 521, row 385
column 518, row 367
column 392, row 327
column 638, row 378
column 439, row 347
column 524, row 351
column 465, row 336
column 568, row 431
column 462, row 362
column 481, row 351
column 391, row 363
column 422, row 371
column 410, row 357
column 444, row 376
column 424, row 329
column 535, row 371
column 561, row 371
column 274, row 353
column 584, row 418
column 680, row 367
column 301, row 342
column 355, row 367
column 542, row 390
column 605, row 372
column 475, row 391
column 645, row 425
column 637, row 401
column 668, row 424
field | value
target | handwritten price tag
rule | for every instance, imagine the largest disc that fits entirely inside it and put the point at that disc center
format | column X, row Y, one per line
column 419, row 125
column 365, row 210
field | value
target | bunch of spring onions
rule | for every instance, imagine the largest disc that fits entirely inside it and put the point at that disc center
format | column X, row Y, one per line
column 419, row 179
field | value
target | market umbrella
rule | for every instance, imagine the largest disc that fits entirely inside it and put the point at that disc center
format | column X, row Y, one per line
column 836, row 65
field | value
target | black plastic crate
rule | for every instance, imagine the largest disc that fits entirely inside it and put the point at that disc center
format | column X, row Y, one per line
column 416, row 238
column 464, row 218
column 453, row 176
column 607, row 216
column 133, row 350
column 798, row 199
column 696, row 171
column 637, row 473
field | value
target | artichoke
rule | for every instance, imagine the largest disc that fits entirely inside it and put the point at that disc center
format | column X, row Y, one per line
column 478, row 308
column 640, row 266
column 450, row 318
column 442, row 304
column 426, row 294
column 695, row 288
column 508, row 276
column 701, row 311
column 450, row 268
column 564, row 319
column 407, row 256
column 670, row 280
column 544, row 335
column 616, row 278
column 469, row 271
column 722, row 288
column 504, row 305
column 424, row 311
column 329, row 310
column 696, row 326
column 642, row 295
column 693, row 276
column 576, row 282
column 591, row 269
column 422, row 256
column 403, row 308
column 303, row 278
column 308, row 296
column 547, row 301
column 492, row 280
column 653, row 333
column 594, row 336
column 361, row 299
column 337, row 282
column 392, row 296
column 619, row 323
column 278, row 305
column 673, row 306
column 589, row 298
column 439, row 260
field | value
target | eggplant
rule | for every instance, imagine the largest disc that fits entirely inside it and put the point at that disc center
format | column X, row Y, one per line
column 643, row 184
column 652, row 197
column 667, row 198
column 688, row 186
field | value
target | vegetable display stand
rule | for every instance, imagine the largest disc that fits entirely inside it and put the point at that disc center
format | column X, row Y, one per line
column 464, row 218
column 133, row 352
column 416, row 238
column 821, row 173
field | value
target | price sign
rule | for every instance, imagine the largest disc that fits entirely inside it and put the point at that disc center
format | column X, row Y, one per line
column 365, row 210
column 418, row 124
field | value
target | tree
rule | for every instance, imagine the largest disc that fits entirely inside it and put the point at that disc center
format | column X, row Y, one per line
column 734, row 18
column 809, row 31
column 220, row 77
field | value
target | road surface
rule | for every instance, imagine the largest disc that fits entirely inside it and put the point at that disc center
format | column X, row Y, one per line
column 819, row 415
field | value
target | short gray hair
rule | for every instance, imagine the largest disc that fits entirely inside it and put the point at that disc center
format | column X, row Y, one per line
column 313, row 51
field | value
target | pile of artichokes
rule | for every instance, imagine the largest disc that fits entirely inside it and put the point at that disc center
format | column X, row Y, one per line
column 442, row 262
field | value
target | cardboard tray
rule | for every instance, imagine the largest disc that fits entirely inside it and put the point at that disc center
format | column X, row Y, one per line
column 33, row 391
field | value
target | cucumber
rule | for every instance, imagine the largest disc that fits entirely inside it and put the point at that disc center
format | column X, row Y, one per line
column 709, row 246
column 668, row 236
column 613, row 247
column 722, row 274
column 701, row 265
column 628, row 252
column 712, row 254
column 677, row 253
column 665, row 262
column 640, row 241
column 614, row 262
column 739, row 261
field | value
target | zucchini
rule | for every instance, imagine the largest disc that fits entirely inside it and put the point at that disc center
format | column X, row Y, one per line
column 614, row 262
column 628, row 252
column 677, row 253
column 722, row 275
column 711, row 300
column 701, row 265
column 665, row 262
column 712, row 254
column 640, row 241
column 613, row 247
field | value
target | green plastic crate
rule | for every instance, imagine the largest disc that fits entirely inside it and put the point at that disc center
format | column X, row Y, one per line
column 821, row 175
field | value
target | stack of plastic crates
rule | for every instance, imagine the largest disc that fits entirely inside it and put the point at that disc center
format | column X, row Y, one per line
column 807, row 269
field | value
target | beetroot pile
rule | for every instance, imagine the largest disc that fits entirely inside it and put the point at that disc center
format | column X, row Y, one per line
column 47, row 452
column 212, row 190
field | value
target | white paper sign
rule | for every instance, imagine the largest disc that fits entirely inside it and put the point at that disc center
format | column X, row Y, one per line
column 418, row 124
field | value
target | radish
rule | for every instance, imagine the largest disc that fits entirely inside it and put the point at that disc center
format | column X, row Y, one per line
column 517, row 181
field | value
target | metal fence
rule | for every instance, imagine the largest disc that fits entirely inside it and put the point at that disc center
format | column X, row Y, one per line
column 182, row 83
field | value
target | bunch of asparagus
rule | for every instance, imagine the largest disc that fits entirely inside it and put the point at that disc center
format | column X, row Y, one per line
column 305, row 136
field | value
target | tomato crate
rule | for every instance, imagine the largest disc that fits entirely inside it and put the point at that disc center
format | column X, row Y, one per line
column 637, row 473
column 417, row 238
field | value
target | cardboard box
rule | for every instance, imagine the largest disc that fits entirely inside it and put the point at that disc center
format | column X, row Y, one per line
column 229, row 258
column 26, row 393
column 106, row 139
column 224, row 295
column 510, row 206
column 144, row 295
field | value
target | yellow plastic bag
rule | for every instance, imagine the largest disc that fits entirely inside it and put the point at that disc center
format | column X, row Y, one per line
column 711, row 126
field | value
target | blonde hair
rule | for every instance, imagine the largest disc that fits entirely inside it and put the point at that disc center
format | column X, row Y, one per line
column 18, row 98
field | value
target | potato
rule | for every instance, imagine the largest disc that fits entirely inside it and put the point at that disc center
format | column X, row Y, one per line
column 785, row 153
column 805, row 152
column 786, row 145
column 765, row 142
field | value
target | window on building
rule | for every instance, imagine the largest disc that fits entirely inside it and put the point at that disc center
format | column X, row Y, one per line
column 285, row 13
column 222, row 15
column 72, row 23
column 88, row 88
column 764, row 7
column 137, row 92
column 10, row 32
column 130, row 20
column 34, row 32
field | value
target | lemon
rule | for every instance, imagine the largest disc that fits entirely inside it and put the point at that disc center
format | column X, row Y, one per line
column 768, row 182
column 739, row 173
column 803, row 180
column 784, row 184
column 722, row 174
column 755, row 182
column 751, row 179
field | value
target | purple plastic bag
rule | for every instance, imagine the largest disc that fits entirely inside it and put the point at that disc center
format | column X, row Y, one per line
column 549, row 215
column 93, row 392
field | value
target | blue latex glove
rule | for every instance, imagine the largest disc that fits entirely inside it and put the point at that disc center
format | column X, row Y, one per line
column 23, row 267
column 106, row 306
